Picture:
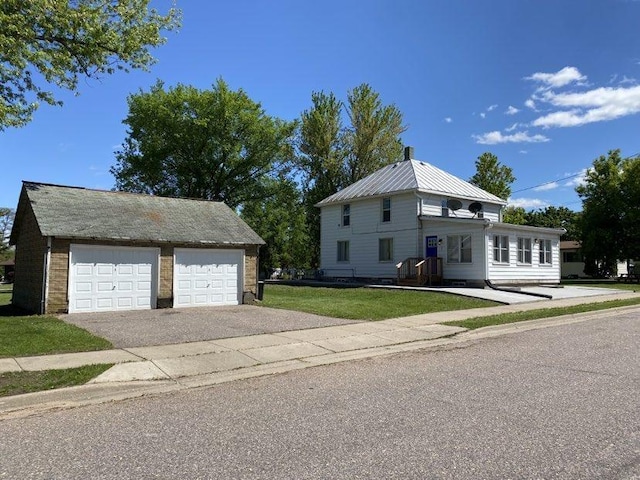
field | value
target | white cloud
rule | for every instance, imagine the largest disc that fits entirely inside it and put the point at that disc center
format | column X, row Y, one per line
column 483, row 115
column 448, row 119
column 512, row 127
column 546, row 186
column 628, row 80
column 511, row 110
column 527, row 203
column 491, row 107
column 530, row 103
column 596, row 105
column 496, row 137
column 578, row 179
column 523, row 152
column 558, row 79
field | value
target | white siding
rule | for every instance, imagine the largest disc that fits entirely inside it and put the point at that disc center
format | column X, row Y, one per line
column 364, row 232
column 515, row 272
column 474, row 271
column 432, row 206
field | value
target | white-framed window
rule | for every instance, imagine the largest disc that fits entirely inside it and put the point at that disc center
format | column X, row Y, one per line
column 346, row 215
column 385, row 249
column 501, row 248
column 386, row 209
column 545, row 252
column 343, row 250
column 524, row 250
column 459, row 249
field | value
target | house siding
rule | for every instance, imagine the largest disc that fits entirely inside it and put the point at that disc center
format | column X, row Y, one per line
column 31, row 250
column 365, row 230
column 58, row 297
column 432, row 205
column 516, row 272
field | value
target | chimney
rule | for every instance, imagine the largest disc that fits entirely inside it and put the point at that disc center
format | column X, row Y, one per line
column 408, row 153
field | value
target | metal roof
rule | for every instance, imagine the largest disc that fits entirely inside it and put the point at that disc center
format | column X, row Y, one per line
column 74, row 212
column 407, row 176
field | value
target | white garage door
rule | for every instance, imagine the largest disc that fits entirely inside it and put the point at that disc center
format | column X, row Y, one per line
column 105, row 278
column 207, row 277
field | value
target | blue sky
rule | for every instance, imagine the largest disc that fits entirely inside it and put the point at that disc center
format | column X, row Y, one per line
column 546, row 85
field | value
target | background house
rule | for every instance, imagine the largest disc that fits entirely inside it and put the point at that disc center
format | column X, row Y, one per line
column 572, row 264
column 413, row 209
column 82, row 250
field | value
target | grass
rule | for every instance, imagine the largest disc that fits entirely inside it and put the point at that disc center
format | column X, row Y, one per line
column 16, row 383
column 617, row 285
column 365, row 303
column 27, row 335
column 479, row 322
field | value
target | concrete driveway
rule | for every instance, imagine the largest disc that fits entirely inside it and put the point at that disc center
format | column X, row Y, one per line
column 180, row 325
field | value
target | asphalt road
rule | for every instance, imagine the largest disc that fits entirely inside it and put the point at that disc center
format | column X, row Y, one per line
column 559, row 402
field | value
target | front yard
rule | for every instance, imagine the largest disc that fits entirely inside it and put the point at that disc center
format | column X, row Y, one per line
column 365, row 303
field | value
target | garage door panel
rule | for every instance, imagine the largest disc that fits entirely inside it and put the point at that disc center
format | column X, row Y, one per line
column 106, row 278
column 207, row 277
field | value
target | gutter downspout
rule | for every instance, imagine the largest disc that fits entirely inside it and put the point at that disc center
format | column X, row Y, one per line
column 45, row 278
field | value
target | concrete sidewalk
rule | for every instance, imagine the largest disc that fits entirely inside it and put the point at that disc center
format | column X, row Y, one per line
column 176, row 361
column 156, row 369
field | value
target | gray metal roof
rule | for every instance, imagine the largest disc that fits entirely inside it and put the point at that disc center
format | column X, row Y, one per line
column 73, row 212
column 411, row 175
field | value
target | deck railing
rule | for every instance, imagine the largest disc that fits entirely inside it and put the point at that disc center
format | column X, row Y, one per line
column 420, row 271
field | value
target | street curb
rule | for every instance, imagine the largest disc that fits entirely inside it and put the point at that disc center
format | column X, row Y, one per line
column 35, row 403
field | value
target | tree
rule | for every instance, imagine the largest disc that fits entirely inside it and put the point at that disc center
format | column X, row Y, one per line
column 603, row 205
column 556, row 217
column 492, row 176
column 514, row 215
column 6, row 222
column 332, row 156
column 57, row 42
column 280, row 220
column 630, row 213
column 213, row 144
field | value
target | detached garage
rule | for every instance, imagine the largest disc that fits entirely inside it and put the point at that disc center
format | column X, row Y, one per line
column 83, row 250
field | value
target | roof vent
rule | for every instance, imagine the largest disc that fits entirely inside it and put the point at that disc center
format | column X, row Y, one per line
column 408, row 153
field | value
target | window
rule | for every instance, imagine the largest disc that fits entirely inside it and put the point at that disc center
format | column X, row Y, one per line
column 524, row 250
column 572, row 257
column 346, row 215
column 459, row 249
column 545, row 252
column 501, row 248
column 343, row 251
column 385, row 249
column 386, row 209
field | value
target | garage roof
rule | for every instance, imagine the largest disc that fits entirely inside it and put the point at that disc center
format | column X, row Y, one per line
column 75, row 212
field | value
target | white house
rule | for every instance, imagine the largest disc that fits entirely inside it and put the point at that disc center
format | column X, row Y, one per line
column 410, row 211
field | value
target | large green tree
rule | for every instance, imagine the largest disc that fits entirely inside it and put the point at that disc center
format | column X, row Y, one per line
column 556, row 217
column 214, row 144
column 603, row 210
column 46, row 43
column 333, row 155
column 6, row 222
column 492, row 176
column 280, row 220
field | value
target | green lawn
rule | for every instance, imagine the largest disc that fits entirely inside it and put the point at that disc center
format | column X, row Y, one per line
column 634, row 287
column 365, row 303
column 16, row 383
column 478, row 322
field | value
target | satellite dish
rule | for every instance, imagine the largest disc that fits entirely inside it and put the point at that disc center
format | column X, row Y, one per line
column 475, row 207
column 453, row 204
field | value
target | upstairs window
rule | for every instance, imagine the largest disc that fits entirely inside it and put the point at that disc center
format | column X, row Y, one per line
column 501, row 248
column 346, row 215
column 545, row 252
column 524, row 250
column 386, row 209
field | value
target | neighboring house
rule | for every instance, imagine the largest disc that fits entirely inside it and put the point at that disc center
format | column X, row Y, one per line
column 8, row 266
column 413, row 209
column 83, row 250
column 572, row 265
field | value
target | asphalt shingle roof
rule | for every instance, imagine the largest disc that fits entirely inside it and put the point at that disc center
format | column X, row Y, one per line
column 74, row 212
column 411, row 175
